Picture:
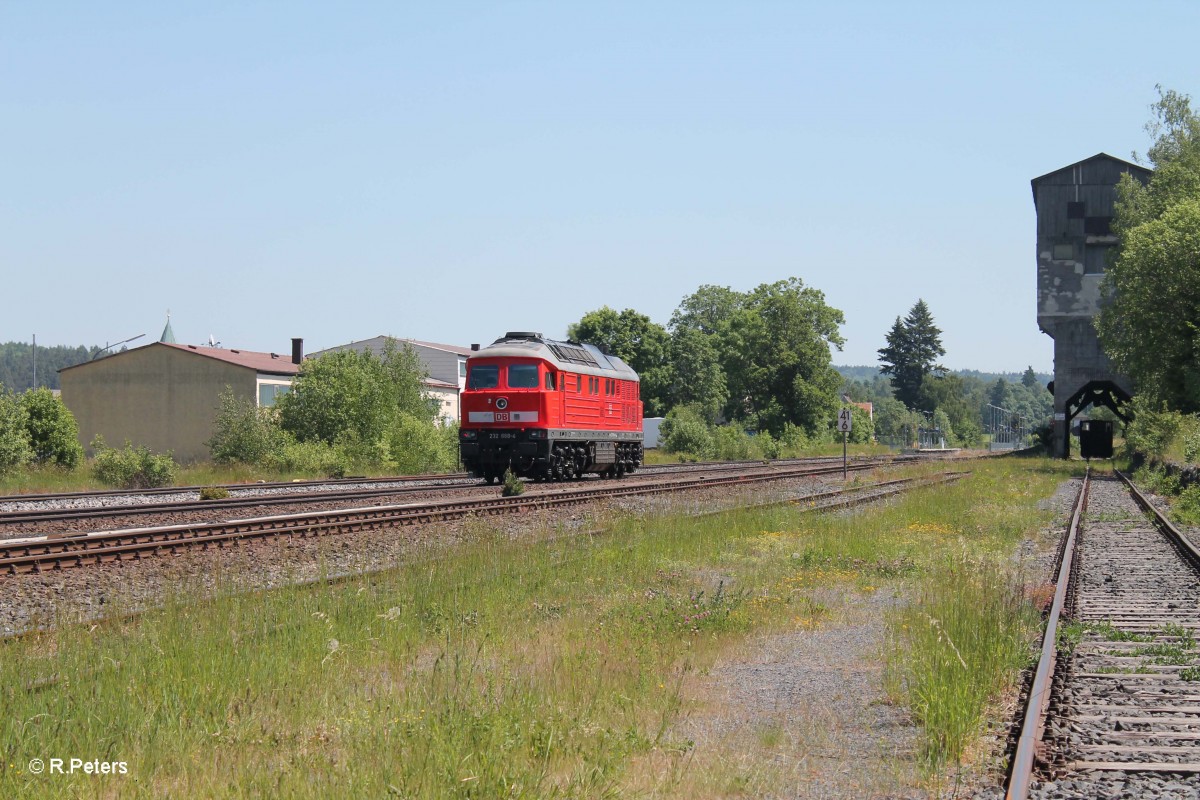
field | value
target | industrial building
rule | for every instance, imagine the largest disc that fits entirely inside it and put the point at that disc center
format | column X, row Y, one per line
column 1075, row 241
column 165, row 396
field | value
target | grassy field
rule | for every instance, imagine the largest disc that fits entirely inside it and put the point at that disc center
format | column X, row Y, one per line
column 523, row 668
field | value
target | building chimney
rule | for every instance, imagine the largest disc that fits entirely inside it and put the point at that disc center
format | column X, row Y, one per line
column 475, row 348
column 297, row 350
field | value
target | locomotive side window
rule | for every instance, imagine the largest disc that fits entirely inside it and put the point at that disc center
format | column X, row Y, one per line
column 550, row 380
column 522, row 376
column 578, row 382
column 484, row 376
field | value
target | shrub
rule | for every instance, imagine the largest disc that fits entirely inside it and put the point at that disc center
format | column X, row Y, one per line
column 53, row 432
column 684, row 431
column 1191, row 446
column 1187, row 508
column 793, row 437
column 131, row 468
column 14, row 434
column 416, row 446
column 513, row 485
column 313, row 458
column 768, row 445
column 730, row 443
column 245, row 433
column 1153, row 431
column 214, row 493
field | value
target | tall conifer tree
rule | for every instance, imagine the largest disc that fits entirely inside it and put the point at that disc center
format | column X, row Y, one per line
column 913, row 347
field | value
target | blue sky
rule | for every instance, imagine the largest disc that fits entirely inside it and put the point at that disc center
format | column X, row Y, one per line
column 450, row 171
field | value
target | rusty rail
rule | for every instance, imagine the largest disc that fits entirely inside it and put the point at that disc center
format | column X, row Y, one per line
column 50, row 552
column 1039, row 693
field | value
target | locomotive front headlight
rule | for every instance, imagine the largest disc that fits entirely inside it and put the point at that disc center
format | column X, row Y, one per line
column 469, row 435
column 536, row 433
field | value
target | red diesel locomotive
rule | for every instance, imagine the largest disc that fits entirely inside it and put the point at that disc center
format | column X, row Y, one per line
column 549, row 410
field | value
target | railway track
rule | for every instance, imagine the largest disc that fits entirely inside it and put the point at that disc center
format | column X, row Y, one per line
column 300, row 486
column 25, row 519
column 846, row 497
column 1115, row 702
column 52, row 552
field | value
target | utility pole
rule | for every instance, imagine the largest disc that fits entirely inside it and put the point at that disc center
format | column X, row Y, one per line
column 35, row 361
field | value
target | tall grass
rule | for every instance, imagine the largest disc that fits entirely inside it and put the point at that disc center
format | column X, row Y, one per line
column 505, row 669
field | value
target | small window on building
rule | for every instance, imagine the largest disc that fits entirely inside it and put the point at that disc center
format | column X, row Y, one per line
column 269, row 393
column 462, row 368
column 1076, row 210
column 1064, row 252
column 1095, row 259
column 1097, row 226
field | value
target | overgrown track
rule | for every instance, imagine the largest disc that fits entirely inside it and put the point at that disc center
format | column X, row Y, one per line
column 361, row 481
column 58, row 552
column 349, row 490
column 1121, row 692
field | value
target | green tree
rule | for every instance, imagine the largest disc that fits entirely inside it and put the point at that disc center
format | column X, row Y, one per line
column 16, row 364
column 353, row 396
column 960, row 400
column 15, row 451
column 707, row 310
column 697, row 378
column 53, row 432
column 642, row 344
column 773, row 344
column 913, row 347
column 1149, row 326
column 1030, row 379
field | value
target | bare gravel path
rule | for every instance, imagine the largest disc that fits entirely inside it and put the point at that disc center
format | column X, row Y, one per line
column 803, row 714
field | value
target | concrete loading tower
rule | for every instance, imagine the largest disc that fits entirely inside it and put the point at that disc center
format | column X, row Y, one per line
column 1074, row 207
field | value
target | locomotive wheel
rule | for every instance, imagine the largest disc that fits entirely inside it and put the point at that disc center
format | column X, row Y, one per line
column 559, row 463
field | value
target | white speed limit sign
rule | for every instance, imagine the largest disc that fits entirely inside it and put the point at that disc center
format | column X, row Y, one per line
column 843, row 421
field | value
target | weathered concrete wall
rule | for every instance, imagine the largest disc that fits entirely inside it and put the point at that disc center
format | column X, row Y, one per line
column 155, row 397
column 1074, row 244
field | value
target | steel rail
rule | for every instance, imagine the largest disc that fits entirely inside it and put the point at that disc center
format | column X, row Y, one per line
column 53, row 496
column 44, row 515
column 1181, row 543
column 27, row 555
column 1021, row 775
column 848, row 499
column 361, row 479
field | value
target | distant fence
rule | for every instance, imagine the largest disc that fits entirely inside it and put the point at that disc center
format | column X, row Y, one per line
column 1008, row 430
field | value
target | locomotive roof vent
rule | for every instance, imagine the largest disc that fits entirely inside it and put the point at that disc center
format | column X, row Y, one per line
column 523, row 335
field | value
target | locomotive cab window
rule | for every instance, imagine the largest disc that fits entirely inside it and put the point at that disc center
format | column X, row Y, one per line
column 550, row 380
column 522, row 376
column 483, row 376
